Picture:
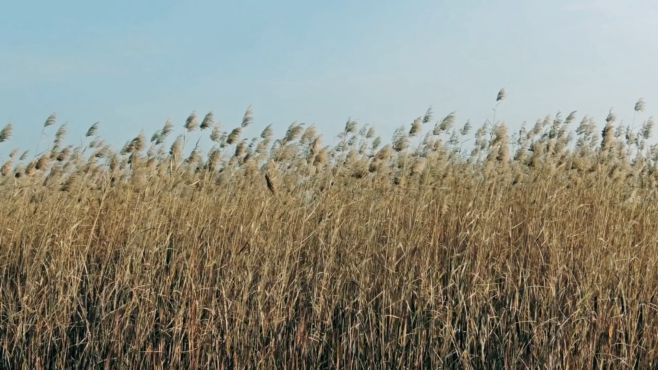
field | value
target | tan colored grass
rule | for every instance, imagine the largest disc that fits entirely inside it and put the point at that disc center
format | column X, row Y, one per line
column 285, row 253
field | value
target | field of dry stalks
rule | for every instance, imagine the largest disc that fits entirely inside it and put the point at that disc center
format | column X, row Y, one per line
column 444, row 246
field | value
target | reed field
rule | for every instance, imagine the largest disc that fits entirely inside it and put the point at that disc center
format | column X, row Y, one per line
column 443, row 245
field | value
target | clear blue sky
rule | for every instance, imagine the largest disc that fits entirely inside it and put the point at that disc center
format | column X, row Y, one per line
column 133, row 64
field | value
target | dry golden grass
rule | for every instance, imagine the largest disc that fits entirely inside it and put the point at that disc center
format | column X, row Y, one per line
column 542, row 253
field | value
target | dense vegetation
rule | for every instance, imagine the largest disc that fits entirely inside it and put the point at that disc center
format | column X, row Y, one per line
column 444, row 248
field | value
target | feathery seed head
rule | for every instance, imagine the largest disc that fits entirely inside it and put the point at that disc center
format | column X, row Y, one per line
column 59, row 135
column 50, row 120
column 92, row 130
column 608, row 137
column 30, row 170
column 194, row 158
column 42, row 162
column 155, row 138
column 176, row 149
column 640, row 105
column 501, row 143
column 267, row 132
column 293, row 132
column 416, row 127
column 315, row 146
column 321, row 158
column 6, row 132
column 308, row 135
column 240, row 149
column 208, row 121
column 248, row 117
column 214, row 159
column 385, row 153
column 234, row 136
column 191, row 123
column 400, row 140
column 137, row 144
column 571, row 117
column 166, row 129
column 216, row 134
column 428, row 115
column 611, row 117
column 350, row 126
column 466, row 129
column 6, row 168
column 502, row 94
column 445, row 124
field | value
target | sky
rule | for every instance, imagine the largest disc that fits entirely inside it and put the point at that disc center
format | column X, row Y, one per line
column 132, row 65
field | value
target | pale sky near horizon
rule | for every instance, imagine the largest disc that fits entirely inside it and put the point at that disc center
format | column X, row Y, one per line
column 132, row 65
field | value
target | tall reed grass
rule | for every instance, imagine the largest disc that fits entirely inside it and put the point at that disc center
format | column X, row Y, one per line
column 445, row 248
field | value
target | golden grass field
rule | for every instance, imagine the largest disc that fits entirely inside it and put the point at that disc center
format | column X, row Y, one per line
column 444, row 246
